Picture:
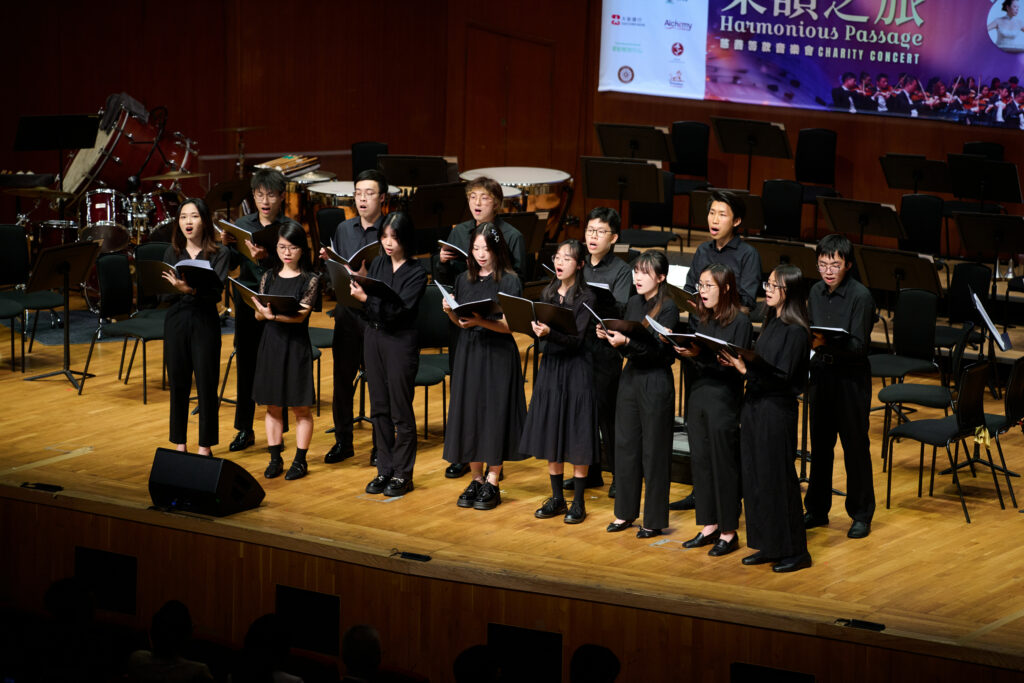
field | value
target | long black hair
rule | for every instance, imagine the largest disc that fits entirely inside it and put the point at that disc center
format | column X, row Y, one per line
column 794, row 305
column 208, row 243
column 578, row 253
column 728, row 304
column 294, row 234
column 654, row 263
column 401, row 225
column 498, row 247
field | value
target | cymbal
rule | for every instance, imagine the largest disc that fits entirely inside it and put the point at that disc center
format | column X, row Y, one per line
column 175, row 175
column 238, row 129
column 39, row 193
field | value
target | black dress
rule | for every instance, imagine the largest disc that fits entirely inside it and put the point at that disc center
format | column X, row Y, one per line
column 485, row 421
column 284, row 363
column 716, row 393
column 561, row 425
column 771, row 490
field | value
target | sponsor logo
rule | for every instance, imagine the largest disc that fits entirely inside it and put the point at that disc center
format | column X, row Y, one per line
column 626, row 74
column 677, row 49
column 676, row 79
column 619, row 20
column 673, row 25
column 616, row 20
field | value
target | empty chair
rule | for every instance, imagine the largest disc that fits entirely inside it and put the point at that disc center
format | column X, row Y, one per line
column 967, row 277
column 913, row 337
column 815, row 166
column 921, row 216
column 11, row 310
column 14, row 271
column 652, row 213
column 690, row 145
column 782, row 201
column 432, row 332
column 327, row 221
column 148, row 304
column 364, row 156
column 1013, row 415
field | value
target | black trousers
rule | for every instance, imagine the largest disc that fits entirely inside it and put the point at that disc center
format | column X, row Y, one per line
column 714, row 430
column 643, row 450
column 248, row 332
column 607, row 370
column 840, row 402
column 347, row 348
column 391, row 362
column 192, row 345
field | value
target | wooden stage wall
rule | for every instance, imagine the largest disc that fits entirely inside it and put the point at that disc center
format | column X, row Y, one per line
column 511, row 83
column 427, row 613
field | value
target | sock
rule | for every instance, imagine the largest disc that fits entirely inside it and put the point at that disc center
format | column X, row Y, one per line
column 275, row 451
column 300, row 454
column 556, row 485
column 580, row 485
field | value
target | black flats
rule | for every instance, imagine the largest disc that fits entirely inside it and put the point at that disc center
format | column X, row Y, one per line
column 700, row 540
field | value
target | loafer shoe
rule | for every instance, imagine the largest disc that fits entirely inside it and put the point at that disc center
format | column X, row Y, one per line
column 616, row 526
column 812, row 520
column 488, row 498
column 398, row 486
column 552, row 507
column 242, row 440
column 644, row 532
column 296, row 471
column 859, row 530
column 378, row 484
column 725, row 547
column 468, row 496
column 338, row 453
column 684, row 504
column 456, row 470
column 792, row 564
column 757, row 558
column 700, row 540
column 274, row 469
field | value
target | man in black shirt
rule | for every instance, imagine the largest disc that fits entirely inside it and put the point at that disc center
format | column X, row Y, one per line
column 604, row 267
column 349, row 325
column 840, row 388
column 268, row 194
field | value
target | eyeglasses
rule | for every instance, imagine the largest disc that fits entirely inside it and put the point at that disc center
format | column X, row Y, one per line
column 701, row 287
column 830, row 267
column 366, row 194
column 594, row 232
column 288, row 248
column 770, row 286
column 562, row 259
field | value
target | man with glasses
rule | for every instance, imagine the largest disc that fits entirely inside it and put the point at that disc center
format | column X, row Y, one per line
column 268, row 194
column 350, row 236
column 604, row 267
column 840, row 390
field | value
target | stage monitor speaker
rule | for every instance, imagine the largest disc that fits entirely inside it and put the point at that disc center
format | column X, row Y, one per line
column 198, row 483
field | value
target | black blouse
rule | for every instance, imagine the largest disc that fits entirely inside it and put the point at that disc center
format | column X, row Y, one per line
column 709, row 370
column 219, row 261
column 409, row 282
column 559, row 342
column 787, row 349
column 485, row 288
column 645, row 351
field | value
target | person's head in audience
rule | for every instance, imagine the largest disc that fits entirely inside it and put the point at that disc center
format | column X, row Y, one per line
column 725, row 212
column 602, row 232
column 476, row 664
column 361, row 651
column 593, row 664
column 267, row 643
column 171, row 628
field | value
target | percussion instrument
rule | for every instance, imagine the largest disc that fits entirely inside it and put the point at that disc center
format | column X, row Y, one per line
column 296, row 199
column 291, row 165
column 341, row 194
column 54, row 233
column 106, row 215
column 543, row 189
column 511, row 200
column 154, row 215
column 175, row 175
column 38, row 193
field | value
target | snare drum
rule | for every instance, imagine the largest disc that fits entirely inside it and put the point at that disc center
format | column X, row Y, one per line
column 54, row 233
column 544, row 189
column 341, row 194
column 296, row 199
column 106, row 215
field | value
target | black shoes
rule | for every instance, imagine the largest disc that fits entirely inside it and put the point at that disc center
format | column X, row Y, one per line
column 373, row 457
column 725, row 547
column 378, row 484
column 757, row 558
column 296, row 471
column 859, row 530
column 242, row 440
column 552, row 507
column 684, row 504
column 488, row 498
column 792, row 564
column 468, row 496
column 611, row 490
column 700, row 540
column 456, row 470
column 577, row 513
column 644, row 532
column 398, row 486
column 812, row 520
column 274, row 469
column 615, row 526
column 338, row 453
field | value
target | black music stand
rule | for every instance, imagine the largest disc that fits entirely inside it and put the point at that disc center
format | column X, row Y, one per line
column 633, row 142
column 413, row 171
column 778, row 252
column 434, row 209
column 621, row 179
column 752, row 138
column 57, row 134
column 853, row 217
column 890, row 270
column 228, row 194
column 57, row 267
column 980, row 179
column 914, row 172
column 985, row 236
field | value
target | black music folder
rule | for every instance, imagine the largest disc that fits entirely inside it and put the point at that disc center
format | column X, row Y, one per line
column 197, row 273
column 485, row 308
column 520, row 313
column 341, row 280
column 280, row 305
column 265, row 237
column 365, row 254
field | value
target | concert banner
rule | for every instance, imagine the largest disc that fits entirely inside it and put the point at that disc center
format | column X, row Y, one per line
column 958, row 61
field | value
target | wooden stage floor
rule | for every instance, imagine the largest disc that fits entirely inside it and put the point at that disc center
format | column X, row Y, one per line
column 941, row 587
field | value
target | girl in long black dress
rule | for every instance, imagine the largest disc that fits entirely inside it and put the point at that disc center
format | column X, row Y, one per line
column 561, row 425
column 771, row 490
column 392, row 356
column 284, row 362
column 643, row 417
column 192, row 327
column 488, row 404
column 715, row 395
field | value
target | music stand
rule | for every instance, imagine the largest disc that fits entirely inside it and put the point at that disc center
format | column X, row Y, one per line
column 979, row 178
column 890, row 270
column 778, row 252
column 855, row 217
column 413, row 171
column 228, row 194
column 914, row 172
column 753, row 138
column 621, row 179
column 59, row 134
column 633, row 142
column 433, row 208
column 56, row 268
column 985, row 236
